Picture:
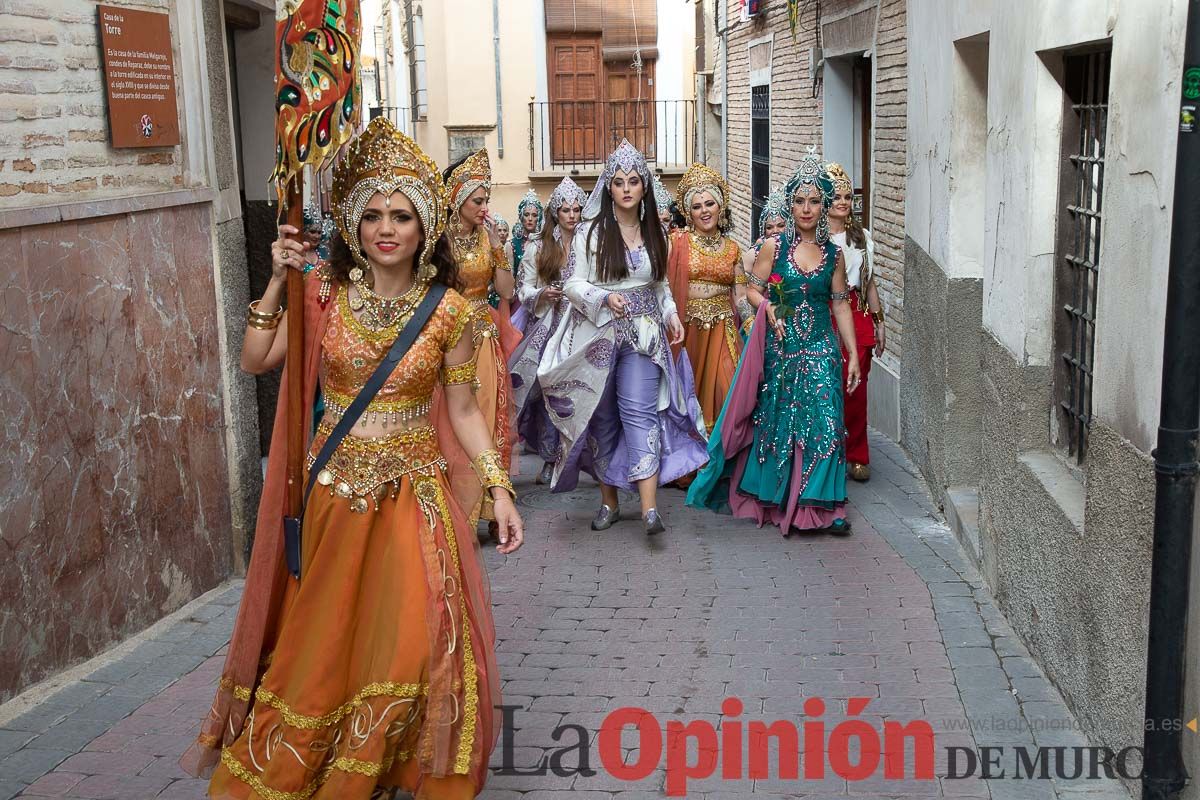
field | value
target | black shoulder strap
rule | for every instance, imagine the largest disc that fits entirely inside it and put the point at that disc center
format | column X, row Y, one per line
column 397, row 351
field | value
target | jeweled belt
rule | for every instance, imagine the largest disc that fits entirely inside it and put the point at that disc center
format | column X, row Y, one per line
column 389, row 412
column 639, row 302
column 708, row 312
column 363, row 469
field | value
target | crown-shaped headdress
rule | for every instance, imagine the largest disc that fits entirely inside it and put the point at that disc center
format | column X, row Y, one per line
column 626, row 158
column 775, row 207
column 701, row 178
column 662, row 198
column 811, row 173
column 566, row 193
column 383, row 160
column 531, row 199
column 841, row 181
column 474, row 172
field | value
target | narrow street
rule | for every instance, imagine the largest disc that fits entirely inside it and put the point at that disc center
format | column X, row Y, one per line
column 589, row 623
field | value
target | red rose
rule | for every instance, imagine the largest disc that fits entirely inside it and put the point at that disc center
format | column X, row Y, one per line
column 775, row 278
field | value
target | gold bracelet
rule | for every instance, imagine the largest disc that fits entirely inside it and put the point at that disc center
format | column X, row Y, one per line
column 254, row 312
column 877, row 315
column 490, row 469
column 262, row 324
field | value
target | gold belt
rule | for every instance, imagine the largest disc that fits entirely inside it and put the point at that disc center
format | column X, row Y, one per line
column 390, row 412
column 372, row 467
column 709, row 311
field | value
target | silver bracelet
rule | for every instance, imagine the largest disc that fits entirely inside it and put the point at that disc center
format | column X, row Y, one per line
column 840, row 295
column 757, row 281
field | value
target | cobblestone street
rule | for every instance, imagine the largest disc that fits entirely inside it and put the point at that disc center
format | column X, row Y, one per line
column 589, row 623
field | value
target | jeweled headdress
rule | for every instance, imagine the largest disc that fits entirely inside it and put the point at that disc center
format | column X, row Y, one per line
column 662, row 198
column 566, row 193
column 701, row 178
column 811, row 173
column 501, row 222
column 474, row 172
column 841, row 181
column 531, row 199
column 777, row 206
column 626, row 158
column 382, row 159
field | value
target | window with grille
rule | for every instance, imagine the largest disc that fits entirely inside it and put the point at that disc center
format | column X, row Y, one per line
column 760, row 153
column 1081, row 196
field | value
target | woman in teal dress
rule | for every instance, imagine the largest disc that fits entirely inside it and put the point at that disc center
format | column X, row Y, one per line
column 777, row 451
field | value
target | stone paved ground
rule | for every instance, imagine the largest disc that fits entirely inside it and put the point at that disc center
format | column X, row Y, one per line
column 589, row 623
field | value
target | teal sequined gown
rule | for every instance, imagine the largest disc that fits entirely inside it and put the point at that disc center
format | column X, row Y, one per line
column 777, row 451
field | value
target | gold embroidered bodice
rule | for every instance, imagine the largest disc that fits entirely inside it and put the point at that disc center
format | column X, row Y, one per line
column 368, row 466
column 711, row 274
column 350, row 352
column 476, row 268
column 713, row 266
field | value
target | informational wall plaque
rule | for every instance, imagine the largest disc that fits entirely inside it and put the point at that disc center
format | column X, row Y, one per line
column 139, row 75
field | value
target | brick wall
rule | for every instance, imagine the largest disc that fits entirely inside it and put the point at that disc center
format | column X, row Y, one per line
column 53, row 110
column 796, row 123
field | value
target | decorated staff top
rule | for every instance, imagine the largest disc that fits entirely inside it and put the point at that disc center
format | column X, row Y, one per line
column 317, row 86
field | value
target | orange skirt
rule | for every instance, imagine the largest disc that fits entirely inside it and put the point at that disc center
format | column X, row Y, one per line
column 340, row 708
column 714, row 353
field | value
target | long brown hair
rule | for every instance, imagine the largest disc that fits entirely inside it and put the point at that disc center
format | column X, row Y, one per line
column 550, row 255
column 854, row 232
column 611, row 250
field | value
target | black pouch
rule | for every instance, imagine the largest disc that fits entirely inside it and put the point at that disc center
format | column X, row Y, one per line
column 291, row 545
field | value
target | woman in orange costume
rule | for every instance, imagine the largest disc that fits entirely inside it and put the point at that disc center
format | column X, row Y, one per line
column 482, row 263
column 706, row 275
column 375, row 671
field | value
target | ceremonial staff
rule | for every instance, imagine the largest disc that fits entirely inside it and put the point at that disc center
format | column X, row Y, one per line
column 317, row 111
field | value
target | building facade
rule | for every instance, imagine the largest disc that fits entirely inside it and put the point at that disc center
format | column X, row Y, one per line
column 132, row 436
column 549, row 87
column 839, row 82
column 1040, row 179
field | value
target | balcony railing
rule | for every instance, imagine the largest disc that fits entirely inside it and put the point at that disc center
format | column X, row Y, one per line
column 578, row 135
column 401, row 116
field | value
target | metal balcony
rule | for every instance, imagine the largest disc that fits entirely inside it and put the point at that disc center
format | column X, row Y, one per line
column 575, row 136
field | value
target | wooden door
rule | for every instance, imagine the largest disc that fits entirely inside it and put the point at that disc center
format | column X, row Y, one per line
column 631, row 108
column 576, row 107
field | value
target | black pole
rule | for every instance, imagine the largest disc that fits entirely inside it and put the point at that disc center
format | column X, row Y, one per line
column 1164, row 776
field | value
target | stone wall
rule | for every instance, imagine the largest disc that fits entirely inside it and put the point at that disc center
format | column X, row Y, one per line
column 54, row 110
column 116, row 501
column 1067, row 555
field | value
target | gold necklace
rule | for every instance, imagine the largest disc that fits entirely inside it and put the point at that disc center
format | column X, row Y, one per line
column 711, row 243
column 463, row 243
column 379, row 312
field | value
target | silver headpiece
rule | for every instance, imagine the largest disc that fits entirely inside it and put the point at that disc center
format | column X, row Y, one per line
column 530, row 199
column 811, row 173
column 565, row 194
column 626, row 158
column 776, row 206
column 662, row 198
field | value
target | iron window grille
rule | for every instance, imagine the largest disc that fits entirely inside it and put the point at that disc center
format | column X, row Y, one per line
column 760, row 153
column 1081, row 193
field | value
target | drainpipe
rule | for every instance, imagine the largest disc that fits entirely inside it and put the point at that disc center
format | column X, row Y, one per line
column 1175, row 467
column 723, row 8
column 499, row 100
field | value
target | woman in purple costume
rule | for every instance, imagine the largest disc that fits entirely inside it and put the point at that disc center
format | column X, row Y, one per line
column 626, row 412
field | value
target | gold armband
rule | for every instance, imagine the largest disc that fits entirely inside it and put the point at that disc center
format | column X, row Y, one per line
column 741, row 279
column 877, row 316
column 490, row 469
column 499, row 260
column 263, row 321
column 459, row 373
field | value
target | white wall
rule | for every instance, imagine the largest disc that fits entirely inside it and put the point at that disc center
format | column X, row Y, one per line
column 1020, row 192
column 837, row 119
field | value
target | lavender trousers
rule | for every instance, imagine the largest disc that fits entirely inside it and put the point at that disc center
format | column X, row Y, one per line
column 627, row 419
